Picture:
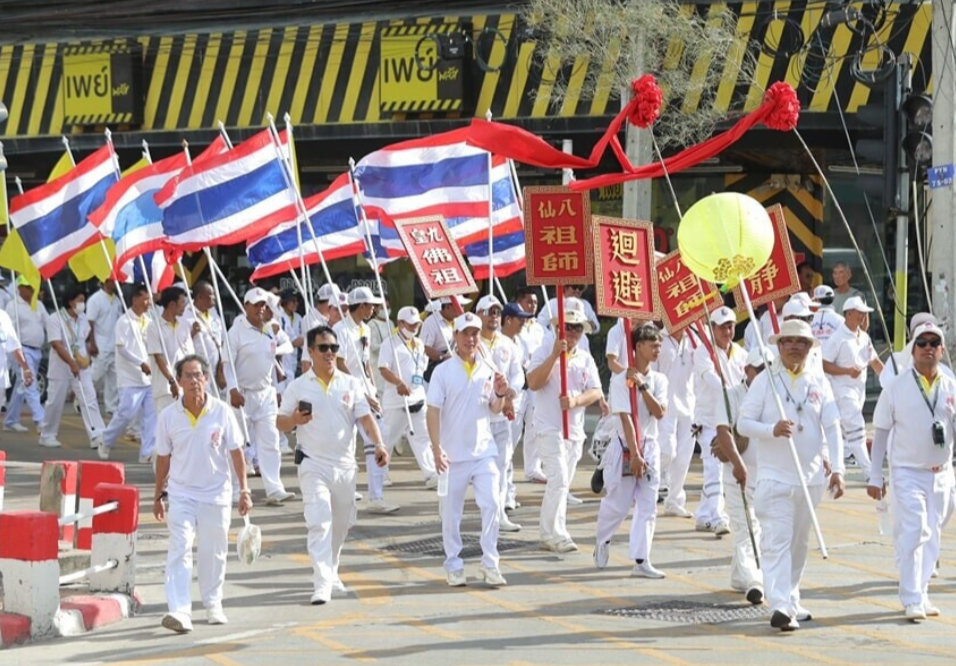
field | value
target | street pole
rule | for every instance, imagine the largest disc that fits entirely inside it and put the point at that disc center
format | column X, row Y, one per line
column 901, row 209
column 637, row 146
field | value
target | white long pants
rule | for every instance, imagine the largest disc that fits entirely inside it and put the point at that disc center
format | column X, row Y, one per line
column 328, row 496
column 519, row 429
column 395, row 426
column 622, row 492
column 854, row 433
column 922, row 503
column 677, row 450
column 261, row 409
column 56, row 390
column 134, row 401
column 186, row 518
column 26, row 394
column 532, row 461
column 744, row 573
column 711, row 507
column 559, row 461
column 501, row 431
column 104, row 379
column 784, row 539
column 374, row 473
column 483, row 475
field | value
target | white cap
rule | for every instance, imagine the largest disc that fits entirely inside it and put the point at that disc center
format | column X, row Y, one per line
column 409, row 315
column 804, row 297
column 467, row 320
column 823, row 291
column 795, row 329
column 461, row 300
column 795, row 308
column 273, row 301
column 928, row 329
column 327, row 291
column 363, row 295
column 921, row 319
column 856, row 303
column 723, row 315
column 755, row 358
column 257, row 295
column 573, row 314
column 488, row 302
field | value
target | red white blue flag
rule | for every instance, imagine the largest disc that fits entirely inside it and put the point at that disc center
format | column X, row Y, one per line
column 508, row 256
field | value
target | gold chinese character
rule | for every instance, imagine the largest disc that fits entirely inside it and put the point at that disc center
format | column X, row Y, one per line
column 664, row 274
column 627, row 288
column 555, row 261
column 446, row 276
column 559, row 235
column 437, row 255
column 686, row 306
column 546, row 210
column 682, row 286
column 424, row 236
column 566, row 208
column 762, row 282
column 624, row 247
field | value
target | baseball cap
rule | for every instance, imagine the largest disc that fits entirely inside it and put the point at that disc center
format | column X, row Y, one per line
column 362, row 295
column 467, row 320
column 921, row 319
column 823, row 291
column 515, row 310
column 723, row 315
column 409, row 315
column 327, row 291
column 257, row 295
column 928, row 329
column 488, row 302
column 856, row 303
column 796, row 308
column 804, row 297
column 461, row 300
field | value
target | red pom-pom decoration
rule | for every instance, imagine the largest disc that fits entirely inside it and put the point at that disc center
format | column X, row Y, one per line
column 784, row 107
column 646, row 105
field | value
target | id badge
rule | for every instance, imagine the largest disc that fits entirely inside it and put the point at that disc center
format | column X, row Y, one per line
column 418, row 380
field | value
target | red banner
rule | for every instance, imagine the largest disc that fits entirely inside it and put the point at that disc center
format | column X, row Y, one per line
column 437, row 260
column 681, row 301
column 778, row 277
column 557, row 236
column 625, row 279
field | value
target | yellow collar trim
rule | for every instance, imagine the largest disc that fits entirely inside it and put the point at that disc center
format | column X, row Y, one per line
column 325, row 386
column 470, row 367
column 926, row 384
column 193, row 419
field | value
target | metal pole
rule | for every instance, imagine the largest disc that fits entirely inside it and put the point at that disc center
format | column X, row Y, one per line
column 491, row 222
column 902, row 219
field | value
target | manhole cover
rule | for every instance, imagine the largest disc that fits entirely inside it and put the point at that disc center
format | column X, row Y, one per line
column 689, row 612
column 432, row 546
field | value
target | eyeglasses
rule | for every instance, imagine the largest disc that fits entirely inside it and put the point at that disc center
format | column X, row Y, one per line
column 795, row 342
column 934, row 343
column 194, row 376
column 325, row 349
column 574, row 328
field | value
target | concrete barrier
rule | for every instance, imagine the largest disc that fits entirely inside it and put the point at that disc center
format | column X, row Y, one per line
column 92, row 474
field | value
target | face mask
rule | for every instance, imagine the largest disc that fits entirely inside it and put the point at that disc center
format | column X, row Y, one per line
column 408, row 335
column 79, row 308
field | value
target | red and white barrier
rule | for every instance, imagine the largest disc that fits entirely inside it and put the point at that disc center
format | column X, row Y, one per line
column 3, row 475
column 114, row 538
column 30, row 569
column 92, row 474
column 65, row 472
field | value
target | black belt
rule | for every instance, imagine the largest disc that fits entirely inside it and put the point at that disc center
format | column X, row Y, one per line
column 33, row 348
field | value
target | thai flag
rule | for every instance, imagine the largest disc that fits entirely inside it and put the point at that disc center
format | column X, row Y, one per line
column 336, row 225
column 159, row 270
column 230, row 198
column 508, row 255
column 439, row 175
column 52, row 219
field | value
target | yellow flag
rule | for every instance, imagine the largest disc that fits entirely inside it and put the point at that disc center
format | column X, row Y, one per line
column 4, row 216
column 62, row 167
column 13, row 254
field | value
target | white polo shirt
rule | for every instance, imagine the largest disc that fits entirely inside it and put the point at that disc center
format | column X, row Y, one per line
column 411, row 365
column 103, row 311
column 766, row 330
column 676, row 362
column 709, row 405
column 32, row 322
column 313, row 319
column 616, row 345
column 825, row 323
column 531, row 336
column 849, row 350
column 506, row 357
column 131, row 337
column 620, row 401
column 209, row 339
column 464, row 395
column 902, row 409
column 355, row 340
column 437, row 333
column 582, row 376
column 255, row 353
column 75, row 340
column 9, row 343
column 178, row 343
column 330, row 436
column 200, row 464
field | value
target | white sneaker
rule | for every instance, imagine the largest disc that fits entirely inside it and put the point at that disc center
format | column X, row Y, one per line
column 381, row 507
column 602, row 553
column 492, row 576
column 103, row 452
column 358, row 496
column 215, row 615
column 703, row 527
column 803, row 615
column 915, row 612
column 721, row 528
column 16, row 427
column 320, row 597
column 431, row 483
column 146, row 460
column 456, row 578
column 178, row 622
column 95, row 443
column 338, row 588
column 930, row 609
column 677, row 511
column 507, row 526
column 132, row 436
column 279, row 498
column 573, row 500
column 646, row 570
column 561, row 546
column 50, row 442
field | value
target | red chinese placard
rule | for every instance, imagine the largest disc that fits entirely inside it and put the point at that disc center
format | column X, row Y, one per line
column 557, row 236
column 681, row 300
column 778, row 277
column 625, row 279
column 437, row 260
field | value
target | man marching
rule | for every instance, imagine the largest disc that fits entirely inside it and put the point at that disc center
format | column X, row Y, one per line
column 32, row 324
column 531, row 337
column 103, row 310
column 676, row 428
column 919, row 408
column 168, row 339
column 812, row 419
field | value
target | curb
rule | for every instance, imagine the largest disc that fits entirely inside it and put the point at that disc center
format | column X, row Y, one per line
column 78, row 615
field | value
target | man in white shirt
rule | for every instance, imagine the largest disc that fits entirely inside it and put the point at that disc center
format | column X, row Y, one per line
column 463, row 395
column 103, row 310
column 812, row 421
column 846, row 356
column 825, row 320
column 291, row 322
column 208, row 341
column 324, row 405
column 325, row 312
column 676, row 428
column 168, row 339
column 919, row 408
column 438, row 330
column 531, row 338
column 32, row 324
column 632, row 462
column 198, row 450
column 132, row 377
column 841, row 281
column 380, row 328
column 575, row 291
column 5, row 295
column 254, row 347
column 354, row 358
column 513, row 320
column 798, row 307
column 766, row 325
column 560, row 456
column 10, row 348
column 69, row 367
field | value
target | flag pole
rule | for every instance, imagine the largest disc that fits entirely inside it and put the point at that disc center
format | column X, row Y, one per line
column 516, row 186
column 491, row 222
column 293, row 163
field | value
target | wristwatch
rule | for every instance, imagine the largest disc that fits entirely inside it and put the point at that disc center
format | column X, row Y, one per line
column 643, row 387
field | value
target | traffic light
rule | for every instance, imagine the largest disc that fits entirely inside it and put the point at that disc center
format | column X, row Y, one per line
column 882, row 119
column 918, row 139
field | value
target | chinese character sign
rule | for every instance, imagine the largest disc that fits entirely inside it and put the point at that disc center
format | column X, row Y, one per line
column 557, row 236
column 435, row 256
column 778, row 277
column 680, row 298
column 625, row 279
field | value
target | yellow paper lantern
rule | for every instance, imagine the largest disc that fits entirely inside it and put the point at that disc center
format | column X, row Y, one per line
column 725, row 238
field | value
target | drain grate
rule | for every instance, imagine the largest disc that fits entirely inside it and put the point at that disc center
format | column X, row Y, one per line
column 689, row 612
column 432, row 546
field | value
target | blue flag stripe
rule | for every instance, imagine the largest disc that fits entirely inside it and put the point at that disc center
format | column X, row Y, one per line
column 66, row 219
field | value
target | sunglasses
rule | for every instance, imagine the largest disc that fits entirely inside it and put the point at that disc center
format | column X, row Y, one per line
column 923, row 342
column 574, row 328
column 326, row 348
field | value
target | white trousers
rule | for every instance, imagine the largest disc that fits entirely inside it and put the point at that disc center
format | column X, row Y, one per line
column 26, row 394
column 135, row 401
column 677, row 450
column 483, row 475
column 261, row 410
column 501, row 431
column 711, row 507
column 395, row 426
column 328, row 496
column 744, row 573
column 559, row 461
column 104, row 379
column 519, row 429
column 622, row 492
column 854, row 433
column 532, row 462
column 922, row 503
column 784, row 540
column 186, row 518
column 56, row 390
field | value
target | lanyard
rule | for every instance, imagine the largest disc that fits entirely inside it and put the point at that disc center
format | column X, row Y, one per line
column 932, row 408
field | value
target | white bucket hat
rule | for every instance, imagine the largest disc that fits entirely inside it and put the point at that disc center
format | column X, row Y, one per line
column 795, row 328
